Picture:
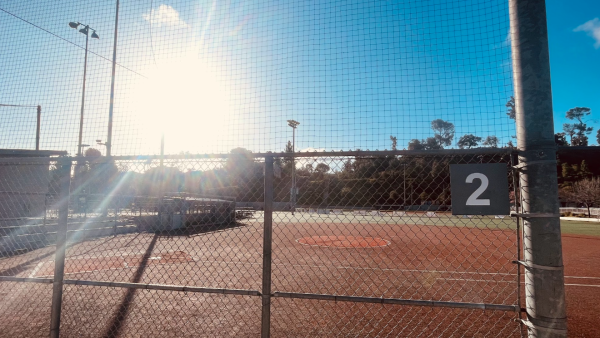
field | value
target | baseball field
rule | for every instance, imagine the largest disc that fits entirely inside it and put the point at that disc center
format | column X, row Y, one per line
column 417, row 257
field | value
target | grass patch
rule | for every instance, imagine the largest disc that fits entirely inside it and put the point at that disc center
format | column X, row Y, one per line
column 580, row 228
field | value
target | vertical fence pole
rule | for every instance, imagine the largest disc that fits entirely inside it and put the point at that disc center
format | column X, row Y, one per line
column 61, row 243
column 37, row 128
column 542, row 248
column 265, row 331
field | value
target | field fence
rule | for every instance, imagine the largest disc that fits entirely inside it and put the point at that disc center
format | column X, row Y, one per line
column 336, row 244
column 275, row 205
column 583, row 211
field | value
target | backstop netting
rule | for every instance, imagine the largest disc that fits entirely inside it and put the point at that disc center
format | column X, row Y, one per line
column 238, row 222
column 216, row 75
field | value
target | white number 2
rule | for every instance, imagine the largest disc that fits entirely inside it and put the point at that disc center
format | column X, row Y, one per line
column 474, row 198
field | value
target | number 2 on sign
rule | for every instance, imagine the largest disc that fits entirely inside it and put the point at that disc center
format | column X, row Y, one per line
column 474, row 198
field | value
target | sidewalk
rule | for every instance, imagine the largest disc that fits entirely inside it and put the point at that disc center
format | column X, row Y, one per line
column 580, row 219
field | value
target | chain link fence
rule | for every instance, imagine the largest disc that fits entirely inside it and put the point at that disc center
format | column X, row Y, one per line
column 364, row 244
column 274, row 207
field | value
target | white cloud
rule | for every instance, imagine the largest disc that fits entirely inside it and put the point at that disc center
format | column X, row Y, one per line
column 165, row 15
column 592, row 28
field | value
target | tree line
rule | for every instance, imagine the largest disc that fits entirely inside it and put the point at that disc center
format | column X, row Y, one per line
column 361, row 181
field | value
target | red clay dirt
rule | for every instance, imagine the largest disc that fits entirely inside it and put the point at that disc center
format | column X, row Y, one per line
column 420, row 262
column 581, row 256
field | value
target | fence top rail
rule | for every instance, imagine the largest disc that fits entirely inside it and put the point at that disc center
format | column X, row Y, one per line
column 30, row 153
column 352, row 153
column 42, row 155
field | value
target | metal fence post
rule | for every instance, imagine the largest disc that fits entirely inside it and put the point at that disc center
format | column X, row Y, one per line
column 544, row 276
column 61, row 243
column 265, row 331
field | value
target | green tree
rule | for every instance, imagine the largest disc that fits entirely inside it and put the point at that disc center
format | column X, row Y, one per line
column 92, row 153
column 415, row 144
column 567, row 171
column 443, row 136
column 569, row 130
column 491, row 141
column 468, row 141
column 511, row 110
column 579, row 130
column 240, row 165
column 394, row 140
column 584, row 170
column 560, row 140
column 585, row 192
column 322, row 168
column 444, row 132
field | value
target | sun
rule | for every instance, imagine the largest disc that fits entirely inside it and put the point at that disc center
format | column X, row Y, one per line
column 184, row 100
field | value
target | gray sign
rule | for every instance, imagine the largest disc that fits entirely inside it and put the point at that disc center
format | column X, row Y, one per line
column 479, row 189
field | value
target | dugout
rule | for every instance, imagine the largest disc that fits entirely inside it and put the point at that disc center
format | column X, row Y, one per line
column 24, row 182
column 178, row 211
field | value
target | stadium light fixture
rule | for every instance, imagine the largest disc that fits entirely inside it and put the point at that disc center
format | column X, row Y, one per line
column 85, row 30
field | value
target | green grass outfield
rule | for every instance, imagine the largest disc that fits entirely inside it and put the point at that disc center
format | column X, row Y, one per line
column 580, row 228
column 442, row 219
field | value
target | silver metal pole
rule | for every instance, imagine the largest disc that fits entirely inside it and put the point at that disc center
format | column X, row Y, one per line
column 61, row 243
column 404, row 192
column 162, row 149
column 37, row 129
column 542, row 248
column 112, row 87
column 265, row 331
column 83, row 92
column 293, row 170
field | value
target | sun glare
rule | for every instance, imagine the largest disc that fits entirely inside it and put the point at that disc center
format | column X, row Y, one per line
column 182, row 99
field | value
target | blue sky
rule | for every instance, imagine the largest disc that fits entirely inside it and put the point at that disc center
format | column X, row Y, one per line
column 218, row 74
column 574, row 60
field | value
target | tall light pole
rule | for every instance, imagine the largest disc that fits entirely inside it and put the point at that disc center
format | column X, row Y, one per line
column 294, row 125
column 85, row 30
column 108, row 142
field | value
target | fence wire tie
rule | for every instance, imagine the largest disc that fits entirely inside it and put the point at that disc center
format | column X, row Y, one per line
column 534, row 215
column 536, row 266
column 542, row 328
column 522, row 165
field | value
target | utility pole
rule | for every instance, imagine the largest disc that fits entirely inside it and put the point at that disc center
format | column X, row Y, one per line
column 542, row 247
column 85, row 30
column 294, row 125
column 112, row 87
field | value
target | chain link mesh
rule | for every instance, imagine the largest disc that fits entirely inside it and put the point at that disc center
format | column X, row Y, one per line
column 27, row 231
column 381, row 227
column 176, row 245
column 191, row 243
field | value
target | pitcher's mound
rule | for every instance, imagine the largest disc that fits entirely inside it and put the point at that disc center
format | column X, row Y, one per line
column 344, row 241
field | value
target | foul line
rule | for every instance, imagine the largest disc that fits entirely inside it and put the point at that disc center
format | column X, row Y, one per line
column 595, row 286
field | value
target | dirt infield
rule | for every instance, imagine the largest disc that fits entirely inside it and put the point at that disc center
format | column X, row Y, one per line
column 421, row 262
column 582, row 279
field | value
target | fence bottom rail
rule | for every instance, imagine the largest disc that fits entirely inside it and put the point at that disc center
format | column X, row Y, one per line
column 244, row 292
column 396, row 301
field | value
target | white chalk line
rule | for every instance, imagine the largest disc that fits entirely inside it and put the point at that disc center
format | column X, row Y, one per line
column 596, row 286
column 36, row 269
